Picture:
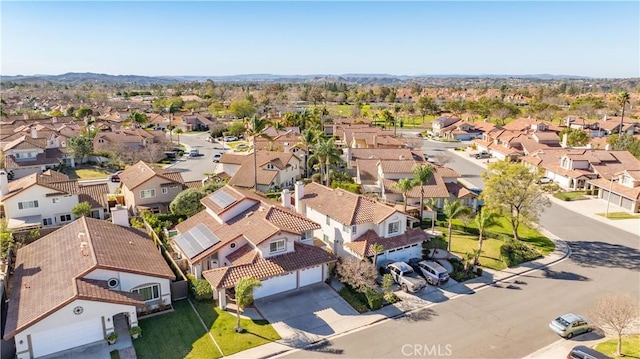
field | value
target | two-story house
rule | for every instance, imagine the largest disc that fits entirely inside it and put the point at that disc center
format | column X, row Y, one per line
column 147, row 187
column 46, row 199
column 275, row 169
column 241, row 233
column 352, row 224
column 72, row 287
column 621, row 189
column 26, row 154
column 442, row 124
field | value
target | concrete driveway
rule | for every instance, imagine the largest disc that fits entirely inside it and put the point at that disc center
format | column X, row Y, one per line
column 307, row 315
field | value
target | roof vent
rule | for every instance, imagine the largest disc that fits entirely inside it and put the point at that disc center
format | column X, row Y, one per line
column 84, row 249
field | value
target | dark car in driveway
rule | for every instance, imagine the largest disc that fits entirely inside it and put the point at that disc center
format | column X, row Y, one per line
column 115, row 177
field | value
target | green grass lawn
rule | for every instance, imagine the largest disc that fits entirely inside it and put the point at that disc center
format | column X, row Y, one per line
column 630, row 347
column 528, row 235
column 114, row 354
column 462, row 243
column 619, row 215
column 175, row 335
column 222, row 326
column 569, row 196
column 83, row 172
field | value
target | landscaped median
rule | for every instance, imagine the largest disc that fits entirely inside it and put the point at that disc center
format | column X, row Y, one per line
column 181, row 335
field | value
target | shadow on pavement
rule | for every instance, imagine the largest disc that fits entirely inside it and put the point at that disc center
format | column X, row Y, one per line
column 601, row 254
column 550, row 273
column 419, row 316
column 323, row 346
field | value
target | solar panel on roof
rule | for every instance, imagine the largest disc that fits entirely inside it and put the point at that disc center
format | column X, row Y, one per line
column 222, row 199
column 196, row 240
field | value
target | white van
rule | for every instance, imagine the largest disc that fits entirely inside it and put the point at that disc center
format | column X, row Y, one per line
column 433, row 272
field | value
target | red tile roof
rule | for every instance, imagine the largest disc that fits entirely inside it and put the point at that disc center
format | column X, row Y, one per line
column 363, row 246
column 141, row 172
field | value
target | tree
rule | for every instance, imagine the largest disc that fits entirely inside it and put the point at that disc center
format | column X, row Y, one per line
column 625, row 142
column 82, row 209
column 6, row 239
column 308, row 138
column 456, row 107
column 138, row 118
column 575, row 137
column 623, row 100
column 244, row 296
column 236, row 128
column 325, row 153
column 452, row 210
column 242, row 108
column 83, row 112
column 484, row 219
column 358, row 274
column 511, row 190
column 427, row 106
column 178, row 131
column 70, row 111
column 615, row 312
column 256, row 129
column 81, row 146
column 377, row 249
column 187, row 202
column 422, row 174
column 405, row 185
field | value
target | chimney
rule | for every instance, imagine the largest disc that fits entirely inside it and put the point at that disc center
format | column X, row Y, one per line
column 607, row 147
column 286, row 198
column 565, row 137
column 84, row 246
column 299, row 193
column 286, row 147
column 34, row 131
column 120, row 215
column 4, row 183
column 604, row 118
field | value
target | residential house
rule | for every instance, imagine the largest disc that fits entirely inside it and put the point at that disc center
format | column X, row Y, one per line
column 135, row 139
column 275, row 169
column 71, row 287
column 621, row 189
column 147, row 187
column 46, row 199
column 443, row 124
column 241, row 234
column 26, row 154
column 194, row 121
column 352, row 224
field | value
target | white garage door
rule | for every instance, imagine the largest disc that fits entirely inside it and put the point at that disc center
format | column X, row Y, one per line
column 310, row 276
column 67, row 337
column 405, row 253
column 275, row 285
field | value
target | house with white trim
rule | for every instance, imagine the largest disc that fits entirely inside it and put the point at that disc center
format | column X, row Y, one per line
column 71, row 287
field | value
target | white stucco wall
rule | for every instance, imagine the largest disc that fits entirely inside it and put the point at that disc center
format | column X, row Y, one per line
column 46, row 206
column 92, row 311
column 290, row 239
column 129, row 281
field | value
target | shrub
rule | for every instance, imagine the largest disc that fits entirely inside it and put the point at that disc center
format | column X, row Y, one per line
column 316, row 177
column 390, row 297
column 135, row 330
column 200, row 288
column 479, row 271
column 513, row 253
column 588, row 192
column 374, row 299
column 353, row 298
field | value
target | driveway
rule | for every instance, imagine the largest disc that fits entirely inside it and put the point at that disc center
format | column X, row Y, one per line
column 307, row 315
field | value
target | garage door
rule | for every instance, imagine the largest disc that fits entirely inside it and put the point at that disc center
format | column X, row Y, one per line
column 627, row 204
column 405, row 253
column 276, row 285
column 67, row 337
column 310, row 276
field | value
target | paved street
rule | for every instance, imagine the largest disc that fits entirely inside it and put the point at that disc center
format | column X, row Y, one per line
column 193, row 169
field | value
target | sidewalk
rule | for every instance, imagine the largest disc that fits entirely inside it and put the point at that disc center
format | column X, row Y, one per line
column 411, row 303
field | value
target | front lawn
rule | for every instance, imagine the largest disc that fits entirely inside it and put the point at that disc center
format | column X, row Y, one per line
column 619, row 215
column 175, row 335
column 462, row 243
column 83, row 172
column 222, row 326
column 630, row 347
column 569, row 196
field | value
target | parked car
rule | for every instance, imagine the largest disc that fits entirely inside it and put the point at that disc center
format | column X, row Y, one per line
column 170, row 154
column 483, row 154
column 545, row 180
column 242, row 146
column 194, row 153
column 570, row 324
column 216, row 157
column 115, row 177
column 584, row 352
column 403, row 275
column 230, row 138
column 432, row 271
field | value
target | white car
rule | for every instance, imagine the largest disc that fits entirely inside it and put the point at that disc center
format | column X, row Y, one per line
column 545, row 180
column 216, row 157
column 230, row 138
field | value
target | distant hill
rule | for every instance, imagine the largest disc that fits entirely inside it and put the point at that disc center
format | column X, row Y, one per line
column 88, row 77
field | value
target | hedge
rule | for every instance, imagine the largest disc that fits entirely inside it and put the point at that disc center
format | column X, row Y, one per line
column 513, row 253
column 374, row 299
column 354, row 299
column 200, row 288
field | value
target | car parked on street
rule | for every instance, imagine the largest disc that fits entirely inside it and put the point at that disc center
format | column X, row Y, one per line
column 216, row 157
column 194, row 153
column 569, row 325
column 115, row 177
column 403, row 275
column 432, row 271
column 584, row 352
column 230, row 138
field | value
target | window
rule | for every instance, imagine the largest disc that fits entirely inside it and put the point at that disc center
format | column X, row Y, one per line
column 65, row 218
column 55, row 200
column 325, row 238
column 148, row 293
column 346, row 229
column 328, row 220
column 307, row 235
column 394, row 227
column 165, row 190
column 28, row 204
column 277, row 246
column 47, row 221
column 354, row 229
column 147, row 193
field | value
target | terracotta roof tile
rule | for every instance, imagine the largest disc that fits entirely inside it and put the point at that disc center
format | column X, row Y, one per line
column 141, row 172
column 95, row 194
column 363, row 246
column 98, row 290
column 304, row 256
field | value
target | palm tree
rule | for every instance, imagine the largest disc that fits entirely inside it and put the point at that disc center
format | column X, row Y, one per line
column 453, row 210
column 138, row 118
column 623, row 99
column 308, row 138
column 170, row 128
column 483, row 220
column 422, row 174
column 326, row 153
column 179, row 130
column 254, row 130
column 377, row 249
column 405, row 185
column 244, row 296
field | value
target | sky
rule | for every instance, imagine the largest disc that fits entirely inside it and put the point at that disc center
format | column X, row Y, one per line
column 217, row 38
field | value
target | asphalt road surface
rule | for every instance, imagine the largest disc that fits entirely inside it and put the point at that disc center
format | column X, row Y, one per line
column 194, row 168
